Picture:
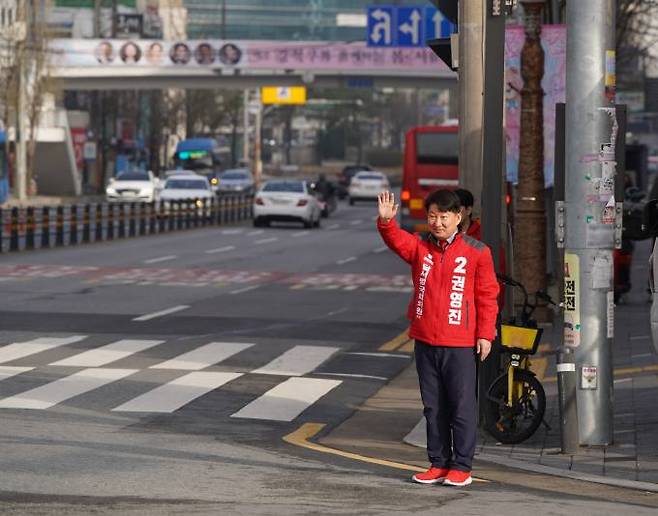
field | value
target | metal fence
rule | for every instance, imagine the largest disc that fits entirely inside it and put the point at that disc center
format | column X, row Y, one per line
column 47, row 227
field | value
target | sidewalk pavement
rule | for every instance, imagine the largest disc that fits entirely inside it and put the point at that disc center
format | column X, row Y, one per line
column 393, row 430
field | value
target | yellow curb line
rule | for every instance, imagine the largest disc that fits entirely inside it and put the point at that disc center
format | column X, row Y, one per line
column 300, row 438
column 407, row 347
column 620, row 372
column 395, row 342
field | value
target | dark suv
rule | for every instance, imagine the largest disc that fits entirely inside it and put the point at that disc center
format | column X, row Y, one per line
column 345, row 177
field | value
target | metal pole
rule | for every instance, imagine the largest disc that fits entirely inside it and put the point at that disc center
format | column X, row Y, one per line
column 589, row 309
column 21, row 105
column 471, row 95
column 566, row 385
column 491, row 169
column 258, row 163
column 245, row 126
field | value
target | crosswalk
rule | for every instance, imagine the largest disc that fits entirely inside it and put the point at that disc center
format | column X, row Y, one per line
column 81, row 367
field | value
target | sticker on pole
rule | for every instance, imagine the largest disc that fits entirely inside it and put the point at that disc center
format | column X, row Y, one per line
column 571, row 300
column 588, row 378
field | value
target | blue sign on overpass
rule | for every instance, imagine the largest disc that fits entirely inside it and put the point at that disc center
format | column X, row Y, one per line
column 392, row 26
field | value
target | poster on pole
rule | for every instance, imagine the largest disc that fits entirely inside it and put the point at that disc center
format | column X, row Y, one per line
column 571, row 300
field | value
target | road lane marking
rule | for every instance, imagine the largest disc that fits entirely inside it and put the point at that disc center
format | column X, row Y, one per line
column 173, row 309
column 380, row 249
column 8, row 371
column 333, row 226
column 298, row 286
column 360, row 376
column 301, row 436
column 221, row 249
column 266, row 240
column 642, row 355
column 408, row 347
column 640, row 337
column 385, row 355
column 245, row 289
column 395, row 342
column 205, row 356
column 356, row 222
column 108, row 353
column 231, row 231
column 173, row 395
column 297, row 361
column 257, row 232
column 288, row 399
column 346, row 260
column 65, row 388
column 161, row 259
column 18, row 350
column 300, row 234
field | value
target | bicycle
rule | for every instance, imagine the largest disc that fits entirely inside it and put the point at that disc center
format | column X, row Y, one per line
column 516, row 397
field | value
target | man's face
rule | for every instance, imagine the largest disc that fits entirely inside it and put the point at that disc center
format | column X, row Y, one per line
column 442, row 223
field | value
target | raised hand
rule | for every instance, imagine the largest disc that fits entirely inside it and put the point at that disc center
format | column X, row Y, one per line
column 387, row 207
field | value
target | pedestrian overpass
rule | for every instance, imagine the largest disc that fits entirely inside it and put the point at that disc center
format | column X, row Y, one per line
column 87, row 64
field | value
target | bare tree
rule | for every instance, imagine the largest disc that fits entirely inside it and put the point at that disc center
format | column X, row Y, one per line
column 637, row 28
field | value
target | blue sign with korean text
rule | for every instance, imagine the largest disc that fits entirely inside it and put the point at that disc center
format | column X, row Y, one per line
column 409, row 26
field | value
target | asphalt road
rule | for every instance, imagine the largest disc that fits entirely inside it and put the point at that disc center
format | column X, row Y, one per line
column 159, row 375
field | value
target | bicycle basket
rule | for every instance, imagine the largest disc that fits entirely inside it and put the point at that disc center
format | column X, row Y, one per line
column 520, row 339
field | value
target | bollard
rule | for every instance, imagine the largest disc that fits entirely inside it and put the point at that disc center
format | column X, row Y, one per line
column 144, row 223
column 13, row 242
column 66, row 225
column 49, row 227
column 566, row 383
column 123, row 210
column 59, row 226
column 75, row 217
column 99, row 223
column 45, row 227
column 30, row 228
column 5, row 220
column 86, row 224
column 132, row 220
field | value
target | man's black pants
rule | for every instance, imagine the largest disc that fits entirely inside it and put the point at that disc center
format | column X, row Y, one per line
column 447, row 387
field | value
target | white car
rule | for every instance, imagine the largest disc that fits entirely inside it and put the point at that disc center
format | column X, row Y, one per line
column 287, row 200
column 132, row 187
column 180, row 187
column 367, row 185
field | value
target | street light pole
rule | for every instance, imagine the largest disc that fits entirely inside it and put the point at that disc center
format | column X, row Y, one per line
column 589, row 225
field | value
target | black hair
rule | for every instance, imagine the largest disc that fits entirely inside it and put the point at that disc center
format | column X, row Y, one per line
column 465, row 197
column 445, row 200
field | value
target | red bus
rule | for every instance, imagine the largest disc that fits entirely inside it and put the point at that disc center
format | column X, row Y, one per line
column 430, row 162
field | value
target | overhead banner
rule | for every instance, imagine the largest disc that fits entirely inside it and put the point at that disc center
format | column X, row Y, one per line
column 212, row 54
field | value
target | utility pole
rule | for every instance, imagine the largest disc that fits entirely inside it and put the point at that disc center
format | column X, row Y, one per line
column 530, row 217
column 589, row 225
column 471, row 95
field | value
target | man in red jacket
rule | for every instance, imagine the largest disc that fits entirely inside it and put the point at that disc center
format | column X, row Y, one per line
column 453, row 318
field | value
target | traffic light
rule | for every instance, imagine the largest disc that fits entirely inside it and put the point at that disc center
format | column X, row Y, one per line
column 447, row 49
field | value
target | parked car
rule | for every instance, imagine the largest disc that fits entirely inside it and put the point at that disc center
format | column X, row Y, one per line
column 345, row 177
column 236, row 180
column 286, row 200
column 367, row 185
column 181, row 187
column 132, row 187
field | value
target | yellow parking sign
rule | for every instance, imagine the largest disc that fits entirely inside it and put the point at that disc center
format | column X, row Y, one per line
column 283, row 95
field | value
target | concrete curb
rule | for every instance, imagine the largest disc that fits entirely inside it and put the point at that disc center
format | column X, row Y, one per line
column 417, row 438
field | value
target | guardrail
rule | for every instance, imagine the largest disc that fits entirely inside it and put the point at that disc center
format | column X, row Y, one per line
column 47, row 227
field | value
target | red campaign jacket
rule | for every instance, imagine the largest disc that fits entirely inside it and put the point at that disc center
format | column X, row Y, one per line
column 455, row 291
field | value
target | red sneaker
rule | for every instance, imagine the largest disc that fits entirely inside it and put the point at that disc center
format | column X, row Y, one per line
column 458, row 478
column 431, row 476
